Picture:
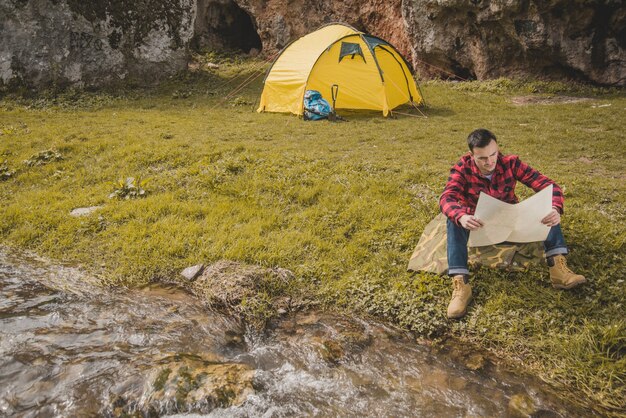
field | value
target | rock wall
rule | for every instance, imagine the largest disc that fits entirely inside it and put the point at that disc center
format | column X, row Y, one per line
column 584, row 40
column 92, row 43
column 282, row 21
column 475, row 39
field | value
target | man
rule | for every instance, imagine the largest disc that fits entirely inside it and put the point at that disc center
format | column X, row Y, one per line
column 485, row 169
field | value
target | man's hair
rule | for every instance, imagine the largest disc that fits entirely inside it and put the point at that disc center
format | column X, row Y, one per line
column 480, row 138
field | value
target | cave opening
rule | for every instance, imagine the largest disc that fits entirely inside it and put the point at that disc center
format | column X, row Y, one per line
column 461, row 71
column 221, row 25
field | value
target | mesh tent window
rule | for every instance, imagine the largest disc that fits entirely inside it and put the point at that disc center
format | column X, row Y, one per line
column 349, row 48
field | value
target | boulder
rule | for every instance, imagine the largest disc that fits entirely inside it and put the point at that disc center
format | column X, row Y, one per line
column 184, row 383
column 250, row 291
column 47, row 43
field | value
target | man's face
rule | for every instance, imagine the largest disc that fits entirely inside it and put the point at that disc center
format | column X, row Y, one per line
column 486, row 157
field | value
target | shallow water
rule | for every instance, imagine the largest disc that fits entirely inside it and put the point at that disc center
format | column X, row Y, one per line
column 69, row 347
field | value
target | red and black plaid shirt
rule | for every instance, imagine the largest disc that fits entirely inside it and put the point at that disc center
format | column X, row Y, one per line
column 465, row 183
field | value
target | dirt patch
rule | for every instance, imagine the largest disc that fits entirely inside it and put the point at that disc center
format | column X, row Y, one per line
column 535, row 100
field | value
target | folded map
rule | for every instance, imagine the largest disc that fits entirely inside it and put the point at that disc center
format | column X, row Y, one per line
column 519, row 222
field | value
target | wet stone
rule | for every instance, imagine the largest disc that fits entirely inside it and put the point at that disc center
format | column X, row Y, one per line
column 344, row 340
column 437, row 379
column 188, row 383
column 356, row 339
column 331, row 351
column 289, row 326
column 475, row 362
column 309, row 319
column 233, row 339
column 521, row 406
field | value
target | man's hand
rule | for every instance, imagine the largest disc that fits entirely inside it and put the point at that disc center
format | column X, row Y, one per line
column 470, row 222
column 553, row 218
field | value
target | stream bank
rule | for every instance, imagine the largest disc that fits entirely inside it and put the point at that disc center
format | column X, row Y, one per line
column 71, row 347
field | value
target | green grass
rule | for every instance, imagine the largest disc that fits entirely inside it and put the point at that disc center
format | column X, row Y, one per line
column 342, row 205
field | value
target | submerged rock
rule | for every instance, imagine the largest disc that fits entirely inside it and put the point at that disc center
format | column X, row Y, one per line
column 470, row 356
column 330, row 350
column 186, row 383
column 475, row 361
column 345, row 340
column 521, row 406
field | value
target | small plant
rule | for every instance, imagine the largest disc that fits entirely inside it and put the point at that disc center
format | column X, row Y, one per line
column 7, row 130
column 13, row 129
column 43, row 157
column 5, row 173
column 130, row 188
column 181, row 94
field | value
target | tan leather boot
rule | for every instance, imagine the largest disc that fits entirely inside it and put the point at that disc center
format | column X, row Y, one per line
column 461, row 296
column 562, row 277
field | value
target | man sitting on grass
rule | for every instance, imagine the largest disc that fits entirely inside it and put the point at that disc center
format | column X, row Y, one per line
column 485, row 170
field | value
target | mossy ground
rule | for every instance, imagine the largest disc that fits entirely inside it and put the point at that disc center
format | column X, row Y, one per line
column 340, row 204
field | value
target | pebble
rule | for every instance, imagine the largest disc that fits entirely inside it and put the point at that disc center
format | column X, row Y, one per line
column 191, row 273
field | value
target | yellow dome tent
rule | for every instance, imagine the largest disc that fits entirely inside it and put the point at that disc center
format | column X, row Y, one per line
column 370, row 73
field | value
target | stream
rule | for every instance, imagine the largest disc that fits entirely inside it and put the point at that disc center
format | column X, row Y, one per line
column 69, row 347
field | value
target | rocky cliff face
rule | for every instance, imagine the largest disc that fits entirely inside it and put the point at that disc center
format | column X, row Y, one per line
column 476, row 39
column 282, row 21
column 91, row 42
column 85, row 43
column 584, row 40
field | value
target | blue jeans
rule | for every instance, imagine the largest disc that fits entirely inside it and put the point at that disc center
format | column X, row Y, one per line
column 457, row 247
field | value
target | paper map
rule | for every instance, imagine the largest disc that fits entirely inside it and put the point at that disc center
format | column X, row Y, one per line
column 519, row 222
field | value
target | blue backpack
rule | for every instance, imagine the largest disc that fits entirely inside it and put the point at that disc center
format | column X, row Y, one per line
column 315, row 107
